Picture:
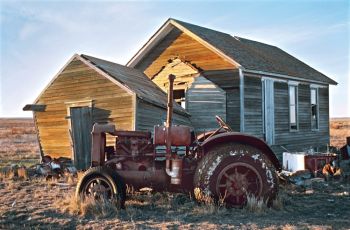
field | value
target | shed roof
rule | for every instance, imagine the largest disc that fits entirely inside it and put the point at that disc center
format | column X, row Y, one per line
column 251, row 55
column 134, row 80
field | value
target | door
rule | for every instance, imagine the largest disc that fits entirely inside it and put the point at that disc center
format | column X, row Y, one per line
column 268, row 111
column 81, row 126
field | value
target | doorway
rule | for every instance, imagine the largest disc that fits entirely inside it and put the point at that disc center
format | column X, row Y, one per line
column 80, row 131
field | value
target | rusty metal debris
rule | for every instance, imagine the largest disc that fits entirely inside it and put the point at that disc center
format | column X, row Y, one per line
column 49, row 168
column 55, row 168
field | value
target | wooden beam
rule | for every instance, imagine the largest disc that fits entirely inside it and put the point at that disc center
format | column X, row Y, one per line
column 34, row 107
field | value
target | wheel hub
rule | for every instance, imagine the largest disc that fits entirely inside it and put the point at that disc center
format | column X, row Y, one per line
column 236, row 184
column 236, row 181
column 98, row 188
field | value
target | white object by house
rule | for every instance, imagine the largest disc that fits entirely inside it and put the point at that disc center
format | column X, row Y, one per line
column 293, row 162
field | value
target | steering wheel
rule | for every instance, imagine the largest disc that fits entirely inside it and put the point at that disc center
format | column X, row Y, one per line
column 223, row 124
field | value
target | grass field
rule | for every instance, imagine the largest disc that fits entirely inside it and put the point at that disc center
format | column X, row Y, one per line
column 37, row 204
column 18, row 141
column 339, row 130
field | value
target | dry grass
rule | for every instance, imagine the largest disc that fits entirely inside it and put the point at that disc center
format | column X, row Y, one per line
column 98, row 208
column 53, row 204
column 18, row 141
column 89, row 208
column 339, row 130
column 206, row 204
column 255, row 205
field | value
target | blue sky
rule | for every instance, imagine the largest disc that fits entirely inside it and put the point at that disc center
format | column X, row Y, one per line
column 38, row 37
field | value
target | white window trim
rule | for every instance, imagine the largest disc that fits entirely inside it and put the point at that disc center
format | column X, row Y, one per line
column 294, row 84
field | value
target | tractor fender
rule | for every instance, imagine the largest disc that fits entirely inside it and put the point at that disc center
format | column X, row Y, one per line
column 243, row 139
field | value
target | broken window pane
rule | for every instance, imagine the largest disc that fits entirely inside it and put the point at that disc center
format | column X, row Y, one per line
column 314, row 108
column 179, row 97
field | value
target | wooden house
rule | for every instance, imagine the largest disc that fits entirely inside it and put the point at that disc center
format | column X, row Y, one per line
column 88, row 90
column 257, row 88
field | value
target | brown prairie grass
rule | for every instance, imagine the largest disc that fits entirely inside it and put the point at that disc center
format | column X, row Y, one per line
column 255, row 204
column 339, row 130
column 89, row 207
column 98, row 208
column 209, row 205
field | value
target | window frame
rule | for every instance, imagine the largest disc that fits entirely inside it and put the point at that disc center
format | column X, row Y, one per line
column 182, row 100
column 296, row 105
column 317, row 109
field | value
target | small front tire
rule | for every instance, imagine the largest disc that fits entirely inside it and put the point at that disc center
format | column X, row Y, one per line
column 102, row 183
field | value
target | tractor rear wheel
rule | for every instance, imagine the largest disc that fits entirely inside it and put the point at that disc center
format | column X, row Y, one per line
column 102, row 183
column 232, row 172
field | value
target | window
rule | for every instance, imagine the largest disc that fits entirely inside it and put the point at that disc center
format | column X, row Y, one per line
column 179, row 97
column 314, row 108
column 293, row 107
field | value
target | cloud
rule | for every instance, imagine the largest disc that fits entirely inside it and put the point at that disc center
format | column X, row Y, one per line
column 28, row 30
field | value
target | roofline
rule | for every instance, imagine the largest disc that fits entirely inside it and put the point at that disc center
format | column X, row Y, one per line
column 88, row 63
column 158, row 35
column 286, row 76
column 54, row 78
column 163, row 31
column 102, row 72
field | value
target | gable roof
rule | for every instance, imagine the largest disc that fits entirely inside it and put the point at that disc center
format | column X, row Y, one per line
column 131, row 80
column 136, row 81
column 247, row 54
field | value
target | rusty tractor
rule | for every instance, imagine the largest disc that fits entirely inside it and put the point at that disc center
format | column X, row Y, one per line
column 222, row 164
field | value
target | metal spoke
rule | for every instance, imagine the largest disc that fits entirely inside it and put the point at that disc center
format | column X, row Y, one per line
column 228, row 177
column 246, row 173
column 236, row 172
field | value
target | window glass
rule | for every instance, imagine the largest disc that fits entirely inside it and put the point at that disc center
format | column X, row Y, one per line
column 293, row 117
column 179, row 97
column 313, row 96
column 314, row 108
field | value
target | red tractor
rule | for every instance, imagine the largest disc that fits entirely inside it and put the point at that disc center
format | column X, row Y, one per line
column 222, row 164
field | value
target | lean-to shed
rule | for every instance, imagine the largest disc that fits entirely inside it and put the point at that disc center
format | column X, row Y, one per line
column 88, row 90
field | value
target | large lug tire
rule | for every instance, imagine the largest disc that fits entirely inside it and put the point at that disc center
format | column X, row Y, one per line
column 102, row 183
column 233, row 171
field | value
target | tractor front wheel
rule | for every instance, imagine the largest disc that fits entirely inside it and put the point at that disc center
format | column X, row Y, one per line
column 232, row 172
column 102, row 183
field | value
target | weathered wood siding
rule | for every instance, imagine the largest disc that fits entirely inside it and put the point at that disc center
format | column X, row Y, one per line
column 228, row 80
column 253, row 112
column 304, row 138
column 204, row 100
column 177, row 44
column 149, row 115
column 79, row 82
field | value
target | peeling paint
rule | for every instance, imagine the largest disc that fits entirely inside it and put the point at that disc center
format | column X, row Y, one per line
column 270, row 178
column 256, row 156
column 209, row 174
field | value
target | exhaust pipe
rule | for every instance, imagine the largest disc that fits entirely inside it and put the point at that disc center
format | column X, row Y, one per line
column 173, row 165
